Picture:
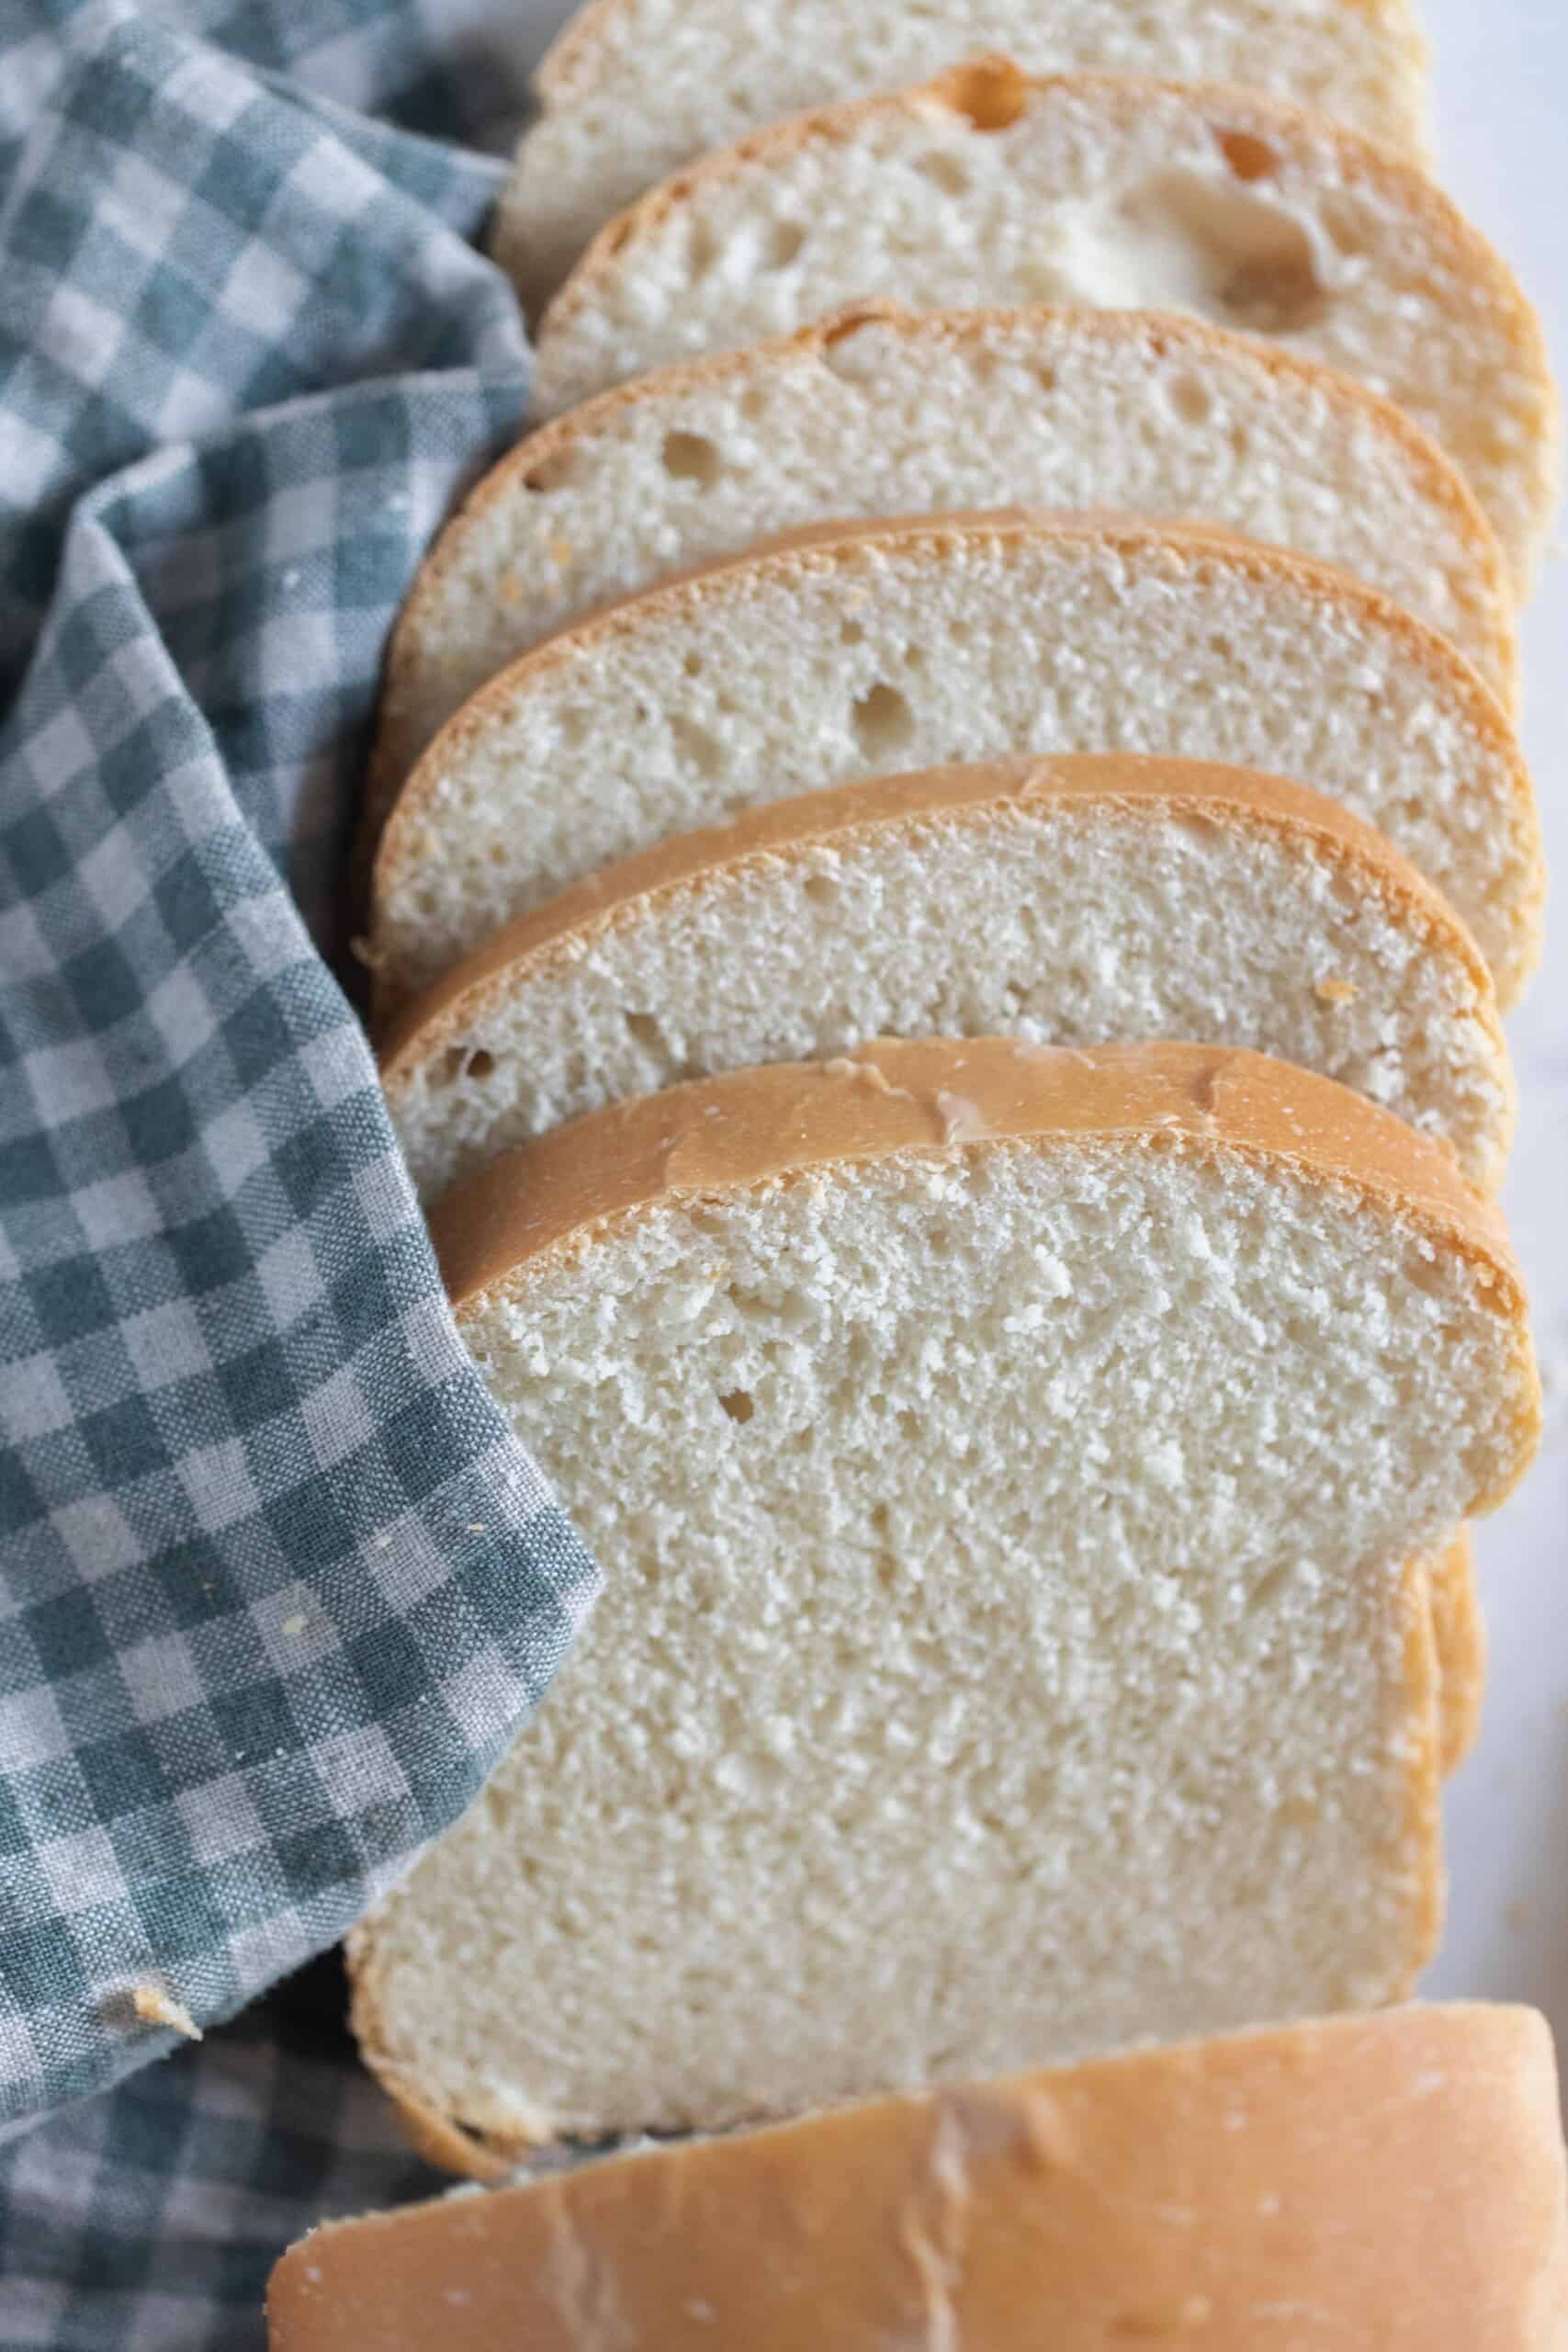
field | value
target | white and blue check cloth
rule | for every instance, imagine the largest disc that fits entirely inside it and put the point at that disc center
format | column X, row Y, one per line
column 276, row 1585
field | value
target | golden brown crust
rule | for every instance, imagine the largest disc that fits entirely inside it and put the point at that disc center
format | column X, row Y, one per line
column 932, row 1095
column 826, row 547
column 1459, row 1631
column 1291, row 2190
column 618, row 895
column 1155, row 332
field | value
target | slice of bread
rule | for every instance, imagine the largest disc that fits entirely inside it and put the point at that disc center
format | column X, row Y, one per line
column 1393, row 2181
column 882, row 413
column 1001, row 1460
column 868, row 649
column 984, row 186
column 636, row 89
column 1071, row 901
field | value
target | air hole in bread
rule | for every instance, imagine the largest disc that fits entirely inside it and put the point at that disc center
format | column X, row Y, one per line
column 478, row 1064
column 1249, row 158
column 1190, row 399
column 702, row 247
column 821, row 890
column 695, row 745
column 1344, row 225
column 948, row 172
column 1207, row 246
column 883, row 722
column 992, row 93
column 549, row 473
column 693, row 665
column 739, row 1404
column 690, row 456
column 645, row 1028
column 851, row 633
column 785, row 239
column 1045, row 376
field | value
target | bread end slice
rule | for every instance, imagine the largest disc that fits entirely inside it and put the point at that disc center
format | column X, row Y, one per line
column 1288, row 2190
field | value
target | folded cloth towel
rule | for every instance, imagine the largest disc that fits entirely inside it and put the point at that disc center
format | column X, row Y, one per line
column 276, row 1584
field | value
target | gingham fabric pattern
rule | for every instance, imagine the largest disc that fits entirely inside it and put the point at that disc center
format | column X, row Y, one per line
column 276, row 1584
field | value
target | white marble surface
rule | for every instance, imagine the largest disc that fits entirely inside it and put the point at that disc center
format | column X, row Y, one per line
column 1502, row 74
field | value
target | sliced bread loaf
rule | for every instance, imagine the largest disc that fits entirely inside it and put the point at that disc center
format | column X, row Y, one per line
column 985, row 186
column 1072, row 901
column 634, row 88
column 1002, row 1460
column 882, row 413
column 860, row 650
column 1393, row 2181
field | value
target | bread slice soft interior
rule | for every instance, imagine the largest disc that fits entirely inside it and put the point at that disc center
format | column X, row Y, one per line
column 1072, row 901
column 865, row 649
column 888, row 412
column 984, row 186
column 634, row 88
column 1004, row 1463
column 1393, row 2181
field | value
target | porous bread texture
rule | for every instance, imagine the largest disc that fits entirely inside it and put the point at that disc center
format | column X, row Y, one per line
column 1112, row 194
column 902, row 413
column 1001, row 1462
column 1070, row 902
column 878, row 647
column 1393, row 2181
column 636, row 89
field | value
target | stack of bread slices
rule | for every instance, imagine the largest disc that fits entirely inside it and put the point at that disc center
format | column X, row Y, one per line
column 948, row 846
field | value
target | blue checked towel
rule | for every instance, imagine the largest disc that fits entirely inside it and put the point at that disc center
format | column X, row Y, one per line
column 276, row 1584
